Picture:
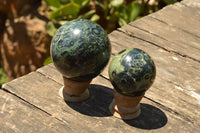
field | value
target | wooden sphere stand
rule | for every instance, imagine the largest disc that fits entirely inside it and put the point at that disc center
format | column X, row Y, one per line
column 125, row 107
column 74, row 91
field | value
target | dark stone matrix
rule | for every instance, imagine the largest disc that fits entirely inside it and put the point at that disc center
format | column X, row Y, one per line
column 80, row 49
column 132, row 72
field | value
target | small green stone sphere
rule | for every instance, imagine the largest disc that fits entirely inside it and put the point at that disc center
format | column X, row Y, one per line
column 80, row 49
column 132, row 72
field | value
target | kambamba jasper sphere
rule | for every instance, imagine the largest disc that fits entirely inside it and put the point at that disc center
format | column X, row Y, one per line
column 80, row 49
column 132, row 72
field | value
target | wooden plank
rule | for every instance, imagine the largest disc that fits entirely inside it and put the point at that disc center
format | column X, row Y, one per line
column 177, row 81
column 166, row 107
column 174, row 80
column 45, row 70
column 192, row 4
column 43, row 93
column 173, row 39
column 173, row 74
column 93, row 115
column 18, row 116
column 181, row 17
column 167, row 62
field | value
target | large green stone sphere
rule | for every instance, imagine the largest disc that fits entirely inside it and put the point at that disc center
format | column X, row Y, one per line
column 132, row 72
column 80, row 49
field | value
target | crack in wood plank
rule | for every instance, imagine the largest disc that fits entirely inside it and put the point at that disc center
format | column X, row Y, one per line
column 131, row 35
column 171, row 110
column 154, row 103
column 175, row 58
column 164, row 107
column 157, row 19
column 134, row 36
column 190, row 3
column 20, row 116
column 157, row 103
column 49, row 76
column 36, row 107
column 160, row 37
column 132, row 41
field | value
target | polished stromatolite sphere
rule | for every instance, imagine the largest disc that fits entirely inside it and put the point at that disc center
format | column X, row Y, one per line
column 132, row 72
column 80, row 49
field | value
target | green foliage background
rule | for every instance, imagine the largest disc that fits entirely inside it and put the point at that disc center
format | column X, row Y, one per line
column 3, row 77
column 119, row 12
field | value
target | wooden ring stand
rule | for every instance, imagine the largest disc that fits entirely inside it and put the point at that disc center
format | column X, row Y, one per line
column 74, row 91
column 125, row 107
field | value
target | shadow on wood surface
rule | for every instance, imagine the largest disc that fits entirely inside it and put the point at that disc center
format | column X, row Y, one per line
column 97, row 104
column 150, row 118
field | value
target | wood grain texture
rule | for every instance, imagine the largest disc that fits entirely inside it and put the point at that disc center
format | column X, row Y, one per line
column 18, row 116
column 181, row 17
column 171, row 37
column 178, row 25
column 177, row 81
column 169, row 65
column 92, row 115
column 178, row 41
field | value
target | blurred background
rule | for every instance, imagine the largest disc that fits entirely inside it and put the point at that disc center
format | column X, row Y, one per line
column 27, row 26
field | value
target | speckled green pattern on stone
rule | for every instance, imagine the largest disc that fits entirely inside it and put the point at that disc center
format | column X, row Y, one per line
column 132, row 72
column 80, row 49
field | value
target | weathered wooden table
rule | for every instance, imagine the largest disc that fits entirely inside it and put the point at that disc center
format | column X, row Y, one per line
column 171, row 36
